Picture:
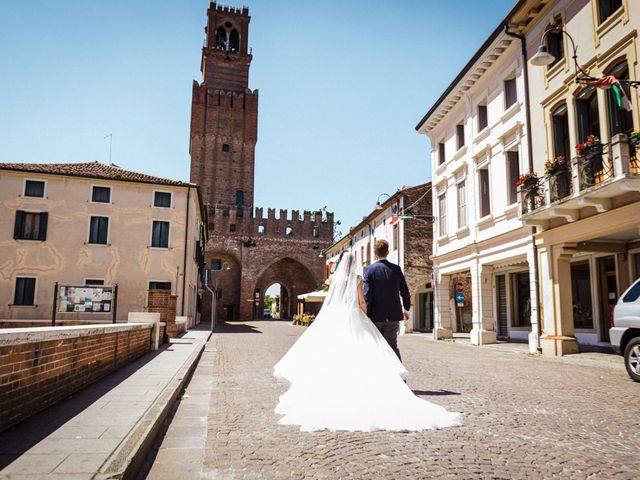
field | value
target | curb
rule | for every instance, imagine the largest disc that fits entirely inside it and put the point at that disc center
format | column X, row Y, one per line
column 126, row 460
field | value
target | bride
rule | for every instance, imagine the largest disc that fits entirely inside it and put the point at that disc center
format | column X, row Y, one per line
column 342, row 374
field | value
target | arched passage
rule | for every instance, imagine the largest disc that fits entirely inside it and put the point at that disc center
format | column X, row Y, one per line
column 224, row 278
column 294, row 278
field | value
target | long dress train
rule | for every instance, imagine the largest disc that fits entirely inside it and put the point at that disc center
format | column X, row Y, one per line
column 342, row 374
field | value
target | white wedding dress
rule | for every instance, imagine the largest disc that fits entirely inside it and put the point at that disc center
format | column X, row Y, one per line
column 342, row 374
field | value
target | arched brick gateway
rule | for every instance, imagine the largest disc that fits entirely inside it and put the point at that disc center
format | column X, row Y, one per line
column 294, row 278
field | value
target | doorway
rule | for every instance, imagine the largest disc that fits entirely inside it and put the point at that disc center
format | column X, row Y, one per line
column 501, row 303
column 230, row 313
column 425, row 316
column 608, row 285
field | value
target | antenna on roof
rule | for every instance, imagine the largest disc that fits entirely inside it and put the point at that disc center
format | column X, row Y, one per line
column 110, row 136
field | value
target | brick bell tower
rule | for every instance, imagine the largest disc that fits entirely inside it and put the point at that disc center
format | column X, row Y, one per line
column 250, row 250
column 224, row 112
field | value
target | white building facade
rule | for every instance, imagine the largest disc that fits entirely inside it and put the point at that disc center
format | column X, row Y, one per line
column 483, row 255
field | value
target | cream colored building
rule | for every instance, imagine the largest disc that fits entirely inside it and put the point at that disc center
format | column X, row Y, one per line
column 484, row 259
column 91, row 223
column 587, row 219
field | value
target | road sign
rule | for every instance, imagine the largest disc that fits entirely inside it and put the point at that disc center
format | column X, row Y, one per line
column 460, row 299
column 460, row 287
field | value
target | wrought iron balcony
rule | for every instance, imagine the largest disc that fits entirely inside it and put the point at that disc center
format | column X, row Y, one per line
column 593, row 179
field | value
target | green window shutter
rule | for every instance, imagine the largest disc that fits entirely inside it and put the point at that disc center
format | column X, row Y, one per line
column 44, row 220
column 19, row 225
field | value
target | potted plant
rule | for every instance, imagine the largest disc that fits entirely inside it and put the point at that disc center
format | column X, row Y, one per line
column 557, row 170
column 590, row 152
column 527, row 180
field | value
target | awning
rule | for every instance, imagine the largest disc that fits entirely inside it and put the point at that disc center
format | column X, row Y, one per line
column 317, row 296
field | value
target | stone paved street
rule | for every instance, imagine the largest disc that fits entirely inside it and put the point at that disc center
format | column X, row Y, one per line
column 524, row 417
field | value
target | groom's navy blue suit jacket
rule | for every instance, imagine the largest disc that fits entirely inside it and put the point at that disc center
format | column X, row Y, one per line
column 384, row 284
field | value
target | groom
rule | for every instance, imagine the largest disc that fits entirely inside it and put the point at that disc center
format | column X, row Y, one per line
column 384, row 284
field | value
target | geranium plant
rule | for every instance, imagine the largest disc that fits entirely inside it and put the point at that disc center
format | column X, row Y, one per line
column 589, row 142
column 551, row 167
column 527, row 178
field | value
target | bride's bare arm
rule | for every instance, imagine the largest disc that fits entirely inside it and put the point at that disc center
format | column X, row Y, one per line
column 361, row 300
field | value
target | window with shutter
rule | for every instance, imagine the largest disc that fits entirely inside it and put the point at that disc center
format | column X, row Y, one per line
column 606, row 8
column 485, row 203
column 461, row 188
column 510, row 92
column 513, row 172
column 162, row 199
column 555, row 44
column 101, row 194
column 587, row 113
column 98, row 230
column 30, row 226
column 442, row 210
column 160, row 234
column 25, row 291
column 561, row 131
column 483, row 120
column 460, row 135
column 620, row 120
column 34, row 188
column 441, row 154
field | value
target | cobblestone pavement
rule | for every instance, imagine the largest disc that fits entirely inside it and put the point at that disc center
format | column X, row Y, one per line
column 524, row 417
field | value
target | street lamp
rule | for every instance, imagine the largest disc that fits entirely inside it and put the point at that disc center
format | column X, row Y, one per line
column 214, row 292
column 544, row 58
column 378, row 204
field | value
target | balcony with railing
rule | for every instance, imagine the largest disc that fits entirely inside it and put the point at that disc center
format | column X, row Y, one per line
column 599, row 174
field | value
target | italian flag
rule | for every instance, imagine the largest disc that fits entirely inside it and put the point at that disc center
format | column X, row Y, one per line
column 618, row 92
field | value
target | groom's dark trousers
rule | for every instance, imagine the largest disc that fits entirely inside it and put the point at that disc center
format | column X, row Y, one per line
column 384, row 284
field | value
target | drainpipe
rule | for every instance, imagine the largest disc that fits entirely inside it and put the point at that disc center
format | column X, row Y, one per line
column 525, row 71
column 184, row 260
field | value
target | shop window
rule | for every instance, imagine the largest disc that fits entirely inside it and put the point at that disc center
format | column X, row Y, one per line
column 560, row 124
column 587, row 114
column 581, row 292
column 513, row 174
column 521, row 304
column 606, row 8
column 620, row 120
column 485, row 192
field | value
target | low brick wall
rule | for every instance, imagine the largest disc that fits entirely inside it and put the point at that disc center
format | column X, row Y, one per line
column 41, row 366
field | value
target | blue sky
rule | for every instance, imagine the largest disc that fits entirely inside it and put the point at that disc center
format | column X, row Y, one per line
column 342, row 86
